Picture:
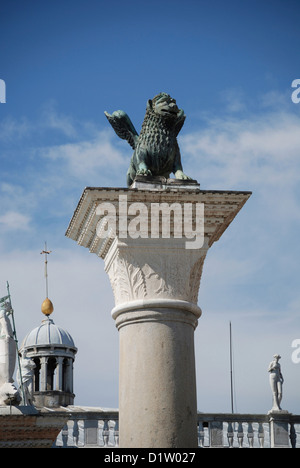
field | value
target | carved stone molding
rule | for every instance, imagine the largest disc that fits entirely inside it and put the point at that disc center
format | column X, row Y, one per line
column 156, row 310
column 220, row 208
column 145, row 268
column 152, row 269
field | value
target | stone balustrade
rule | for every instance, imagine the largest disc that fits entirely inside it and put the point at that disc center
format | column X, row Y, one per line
column 248, row 430
column 98, row 428
column 89, row 427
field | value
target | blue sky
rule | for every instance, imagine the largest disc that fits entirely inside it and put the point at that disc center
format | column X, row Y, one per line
column 230, row 66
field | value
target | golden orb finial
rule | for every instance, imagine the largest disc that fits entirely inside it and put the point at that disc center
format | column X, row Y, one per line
column 47, row 307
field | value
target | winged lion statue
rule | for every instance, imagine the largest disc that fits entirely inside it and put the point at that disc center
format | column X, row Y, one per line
column 156, row 150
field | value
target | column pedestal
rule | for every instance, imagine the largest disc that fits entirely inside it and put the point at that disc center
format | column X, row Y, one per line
column 155, row 279
column 279, row 429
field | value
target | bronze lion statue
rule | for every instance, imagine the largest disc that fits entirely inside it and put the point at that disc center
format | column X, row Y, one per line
column 156, row 151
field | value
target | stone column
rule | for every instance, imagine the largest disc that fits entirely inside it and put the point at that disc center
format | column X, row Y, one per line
column 156, row 320
column 155, row 277
column 69, row 375
column 43, row 374
column 59, row 373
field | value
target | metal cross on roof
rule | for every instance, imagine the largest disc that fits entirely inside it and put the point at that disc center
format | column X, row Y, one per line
column 46, row 252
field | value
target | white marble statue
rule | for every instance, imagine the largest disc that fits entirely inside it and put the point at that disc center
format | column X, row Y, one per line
column 8, row 392
column 27, row 372
column 276, row 381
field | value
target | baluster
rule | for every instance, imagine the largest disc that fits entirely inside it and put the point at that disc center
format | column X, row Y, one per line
column 105, row 432
column 116, row 433
column 240, row 435
column 216, row 434
column 65, row 435
column 261, row 435
column 91, row 432
column 293, row 435
column 75, row 432
column 230, row 435
column 200, row 434
column 250, row 435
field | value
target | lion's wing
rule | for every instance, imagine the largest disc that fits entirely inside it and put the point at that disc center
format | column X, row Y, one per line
column 123, row 126
column 180, row 122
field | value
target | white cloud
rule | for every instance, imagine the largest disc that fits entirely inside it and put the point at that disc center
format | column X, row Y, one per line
column 15, row 195
column 17, row 206
column 260, row 154
column 52, row 119
column 12, row 129
column 259, row 143
column 233, row 99
column 85, row 157
column 14, row 221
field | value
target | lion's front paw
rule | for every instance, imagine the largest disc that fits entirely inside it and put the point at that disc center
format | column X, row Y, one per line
column 181, row 175
column 144, row 172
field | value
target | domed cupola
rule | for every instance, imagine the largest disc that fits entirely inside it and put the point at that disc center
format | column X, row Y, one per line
column 52, row 351
column 48, row 334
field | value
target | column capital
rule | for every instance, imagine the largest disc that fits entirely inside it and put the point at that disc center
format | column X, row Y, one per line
column 144, row 269
column 155, row 260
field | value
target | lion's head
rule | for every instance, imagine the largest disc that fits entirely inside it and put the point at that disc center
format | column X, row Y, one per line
column 164, row 105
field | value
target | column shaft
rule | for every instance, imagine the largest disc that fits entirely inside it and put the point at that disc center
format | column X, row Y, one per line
column 158, row 406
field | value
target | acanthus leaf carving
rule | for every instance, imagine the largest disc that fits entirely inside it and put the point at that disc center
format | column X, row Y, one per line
column 138, row 274
column 195, row 277
column 126, row 279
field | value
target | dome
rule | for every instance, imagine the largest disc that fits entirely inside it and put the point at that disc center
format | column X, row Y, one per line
column 48, row 334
